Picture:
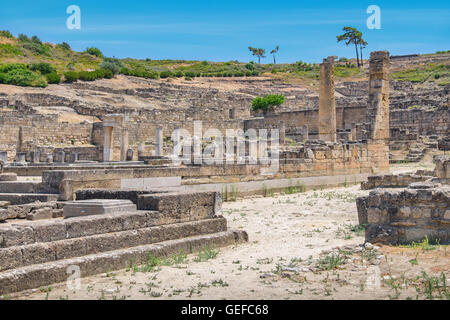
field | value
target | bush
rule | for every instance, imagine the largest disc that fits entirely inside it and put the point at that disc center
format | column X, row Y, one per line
column 20, row 77
column 37, row 48
column 250, row 66
column 268, row 102
column 94, row 51
column 22, row 37
column 166, row 74
column 140, row 73
column 64, row 46
column 114, row 65
column 71, row 76
column 36, row 40
column 43, row 68
column 179, row 74
column 53, row 78
column 6, row 34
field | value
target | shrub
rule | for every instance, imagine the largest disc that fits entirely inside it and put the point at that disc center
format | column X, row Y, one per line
column 114, row 65
column 179, row 74
column 94, row 51
column 42, row 67
column 268, row 102
column 36, row 47
column 20, row 77
column 36, row 40
column 166, row 74
column 190, row 74
column 71, row 76
column 64, row 46
column 53, row 78
column 250, row 66
column 22, row 37
column 6, row 34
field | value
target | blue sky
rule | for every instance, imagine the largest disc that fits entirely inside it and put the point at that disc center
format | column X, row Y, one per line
column 222, row 30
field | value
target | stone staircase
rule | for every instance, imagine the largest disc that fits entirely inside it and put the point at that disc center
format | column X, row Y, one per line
column 416, row 152
column 39, row 253
column 23, row 192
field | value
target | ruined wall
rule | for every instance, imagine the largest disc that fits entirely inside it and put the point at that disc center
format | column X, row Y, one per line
column 395, row 217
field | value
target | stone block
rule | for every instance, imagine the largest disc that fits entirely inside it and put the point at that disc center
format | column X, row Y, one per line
column 97, row 206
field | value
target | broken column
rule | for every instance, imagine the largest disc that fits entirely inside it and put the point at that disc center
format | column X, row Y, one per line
column 327, row 106
column 159, row 142
column 21, row 157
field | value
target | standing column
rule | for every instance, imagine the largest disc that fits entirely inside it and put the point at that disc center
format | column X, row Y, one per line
column 159, row 142
column 124, row 144
column 107, row 143
column 378, row 104
column 327, row 106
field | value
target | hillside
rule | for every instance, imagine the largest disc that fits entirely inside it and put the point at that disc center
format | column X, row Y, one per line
column 27, row 61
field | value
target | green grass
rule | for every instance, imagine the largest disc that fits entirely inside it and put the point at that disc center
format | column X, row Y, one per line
column 430, row 72
column 206, row 254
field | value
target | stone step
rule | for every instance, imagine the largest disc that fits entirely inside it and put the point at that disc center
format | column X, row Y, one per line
column 24, row 198
column 23, row 255
column 38, row 275
column 20, row 187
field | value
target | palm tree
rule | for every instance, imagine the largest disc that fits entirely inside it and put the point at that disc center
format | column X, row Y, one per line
column 273, row 53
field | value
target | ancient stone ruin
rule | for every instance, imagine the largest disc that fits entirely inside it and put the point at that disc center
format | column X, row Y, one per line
column 406, row 208
column 106, row 193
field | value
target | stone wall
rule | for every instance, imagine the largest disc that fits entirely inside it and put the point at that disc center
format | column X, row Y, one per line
column 396, row 217
column 392, row 181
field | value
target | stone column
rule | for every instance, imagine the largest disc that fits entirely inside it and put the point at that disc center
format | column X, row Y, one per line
column 49, row 158
column 21, row 157
column 353, row 135
column 159, row 142
column 378, row 104
column 305, row 132
column 327, row 106
column 282, row 132
column 124, row 144
column 108, row 143
column 60, row 156
column 130, row 154
column 35, row 156
column 141, row 150
column 4, row 156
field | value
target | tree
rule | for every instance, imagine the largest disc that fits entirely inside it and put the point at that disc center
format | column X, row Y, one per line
column 269, row 102
column 259, row 52
column 273, row 53
column 362, row 45
column 351, row 36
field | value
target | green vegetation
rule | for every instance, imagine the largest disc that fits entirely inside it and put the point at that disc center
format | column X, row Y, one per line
column 268, row 102
column 48, row 63
column 430, row 72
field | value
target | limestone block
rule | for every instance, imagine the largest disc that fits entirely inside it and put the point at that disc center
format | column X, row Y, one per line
column 8, row 177
column 97, row 206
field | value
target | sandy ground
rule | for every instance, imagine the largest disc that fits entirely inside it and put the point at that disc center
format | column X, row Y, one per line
column 302, row 246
